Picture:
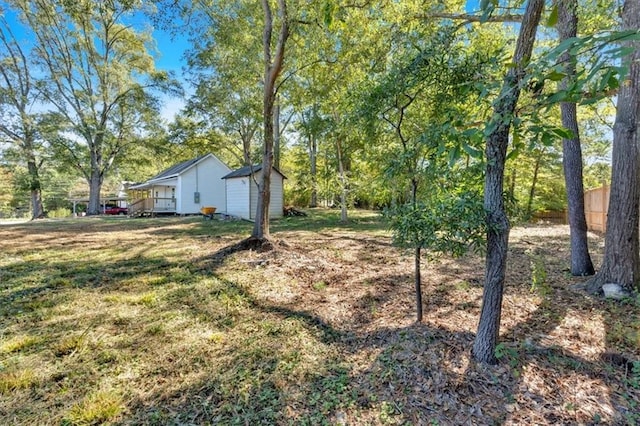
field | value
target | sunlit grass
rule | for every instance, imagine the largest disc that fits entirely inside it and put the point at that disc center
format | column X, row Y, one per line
column 96, row 408
column 19, row 343
column 137, row 322
column 15, row 380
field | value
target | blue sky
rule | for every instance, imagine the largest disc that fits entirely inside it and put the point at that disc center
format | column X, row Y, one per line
column 170, row 58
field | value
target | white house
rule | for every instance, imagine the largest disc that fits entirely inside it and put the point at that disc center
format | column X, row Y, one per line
column 242, row 192
column 182, row 189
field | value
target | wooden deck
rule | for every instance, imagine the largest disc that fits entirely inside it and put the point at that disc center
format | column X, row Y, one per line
column 152, row 207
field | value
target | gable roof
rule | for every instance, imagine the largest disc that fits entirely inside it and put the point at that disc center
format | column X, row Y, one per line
column 178, row 168
column 174, row 171
column 247, row 170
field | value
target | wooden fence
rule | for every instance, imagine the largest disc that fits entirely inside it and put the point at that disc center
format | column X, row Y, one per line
column 553, row 216
column 596, row 204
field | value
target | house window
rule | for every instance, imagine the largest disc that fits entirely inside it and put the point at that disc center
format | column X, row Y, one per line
column 157, row 197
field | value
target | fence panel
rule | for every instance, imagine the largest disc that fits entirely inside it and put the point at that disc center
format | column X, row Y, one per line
column 553, row 216
column 596, row 204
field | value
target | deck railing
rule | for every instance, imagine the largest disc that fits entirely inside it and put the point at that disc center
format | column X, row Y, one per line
column 152, row 205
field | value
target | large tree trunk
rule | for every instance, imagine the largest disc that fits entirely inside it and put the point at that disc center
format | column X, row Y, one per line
column 621, row 263
column 571, row 151
column 95, row 178
column 37, row 210
column 497, row 221
column 95, row 185
column 261, row 225
column 276, row 135
column 35, row 185
column 272, row 69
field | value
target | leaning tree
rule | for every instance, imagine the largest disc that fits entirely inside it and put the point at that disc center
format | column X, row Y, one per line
column 496, row 153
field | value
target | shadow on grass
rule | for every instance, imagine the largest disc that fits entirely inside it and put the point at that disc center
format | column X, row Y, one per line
column 283, row 363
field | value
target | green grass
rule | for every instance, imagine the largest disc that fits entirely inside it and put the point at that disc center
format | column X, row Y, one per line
column 97, row 408
column 135, row 321
column 98, row 303
column 12, row 381
column 18, row 343
column 328, row 219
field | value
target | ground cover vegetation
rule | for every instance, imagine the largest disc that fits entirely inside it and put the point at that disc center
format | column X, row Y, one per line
column 140, row 321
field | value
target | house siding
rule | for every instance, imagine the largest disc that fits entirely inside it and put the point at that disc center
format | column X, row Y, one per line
column 242, row 197
column 277, row 196
column 254, row 194
column 205, row 178
column 162, row 196
column 237, row 196
column 181, row 182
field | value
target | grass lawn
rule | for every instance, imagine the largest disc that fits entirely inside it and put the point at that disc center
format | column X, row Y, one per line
column 137, row 321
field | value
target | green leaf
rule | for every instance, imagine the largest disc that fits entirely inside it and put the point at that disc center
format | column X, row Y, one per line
column 547, row 139
column 516, row 138
column 471, row 151
column 454, row 155
column 329, row 8
column 553, row 16
column 555, row 53
column 555, row 75
column 487, row 6
column 563, row 133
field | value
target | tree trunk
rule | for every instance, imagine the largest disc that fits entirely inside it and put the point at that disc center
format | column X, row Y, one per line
column 313, row 159
column 418, row 257
column 261, row 225
column 37, row 210
column 534, row 182
column 35, row 185
column 497, row 221
column 571, row 150
column 272, row 69
column 246, row 150
column 343, row 184
column 512, row 184
column 418, row 281
column 276, row 135
column 621, row 263
column 95, row 185
column 95, row 177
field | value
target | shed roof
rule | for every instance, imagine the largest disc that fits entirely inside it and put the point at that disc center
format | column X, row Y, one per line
column 247, row 170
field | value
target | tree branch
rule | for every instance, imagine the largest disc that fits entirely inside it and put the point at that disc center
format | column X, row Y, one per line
column 468, row 17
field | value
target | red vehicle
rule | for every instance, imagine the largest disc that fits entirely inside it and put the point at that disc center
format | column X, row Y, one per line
column 115, row 210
